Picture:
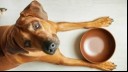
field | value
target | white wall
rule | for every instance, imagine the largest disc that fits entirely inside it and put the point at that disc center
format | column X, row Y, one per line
column 75, row 10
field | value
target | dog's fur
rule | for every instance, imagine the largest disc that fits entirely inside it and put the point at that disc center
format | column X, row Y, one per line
column 12, row 38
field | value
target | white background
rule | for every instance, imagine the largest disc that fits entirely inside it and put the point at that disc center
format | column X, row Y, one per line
column 75, row 10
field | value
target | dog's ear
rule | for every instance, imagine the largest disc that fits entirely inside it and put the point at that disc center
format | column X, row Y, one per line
column 12, row 46
column 35, row 9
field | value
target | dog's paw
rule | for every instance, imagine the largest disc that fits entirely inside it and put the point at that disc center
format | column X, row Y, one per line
column 102, row 22
column 107, row 66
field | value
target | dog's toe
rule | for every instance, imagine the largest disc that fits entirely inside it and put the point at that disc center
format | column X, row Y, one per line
column 107, row 66
column 103, row 22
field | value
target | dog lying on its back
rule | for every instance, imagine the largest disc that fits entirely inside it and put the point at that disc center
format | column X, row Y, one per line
column 33, row 38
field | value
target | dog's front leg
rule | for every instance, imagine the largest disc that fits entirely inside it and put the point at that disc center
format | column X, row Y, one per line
column 58, row 58
column 106, row 66
column 99, row 22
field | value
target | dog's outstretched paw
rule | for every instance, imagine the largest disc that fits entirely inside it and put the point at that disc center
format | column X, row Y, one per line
column 103, row 22
column 107, row 66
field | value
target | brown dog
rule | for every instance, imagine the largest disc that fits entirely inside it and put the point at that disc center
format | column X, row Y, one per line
column 33, row 38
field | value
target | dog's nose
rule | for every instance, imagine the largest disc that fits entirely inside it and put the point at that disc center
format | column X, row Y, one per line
column 50, row 48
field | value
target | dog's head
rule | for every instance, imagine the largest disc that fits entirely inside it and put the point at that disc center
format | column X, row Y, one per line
column 34, row 32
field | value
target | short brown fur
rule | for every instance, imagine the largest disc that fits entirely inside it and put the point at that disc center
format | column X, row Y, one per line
column 12, row 50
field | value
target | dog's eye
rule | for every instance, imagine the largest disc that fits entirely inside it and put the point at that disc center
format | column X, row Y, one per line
column 27, row 43
column 36, row 25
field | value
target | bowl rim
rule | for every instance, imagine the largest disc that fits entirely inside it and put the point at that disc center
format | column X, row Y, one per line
column 83, row 38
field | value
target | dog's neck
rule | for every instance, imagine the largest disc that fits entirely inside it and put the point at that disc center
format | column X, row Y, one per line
column 4, row 55
column 3, row 41
column 9, row 43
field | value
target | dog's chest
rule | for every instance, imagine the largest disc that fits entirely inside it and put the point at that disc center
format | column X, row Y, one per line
column 35, row 54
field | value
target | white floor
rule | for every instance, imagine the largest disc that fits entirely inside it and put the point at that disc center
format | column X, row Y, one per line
column 75, row 10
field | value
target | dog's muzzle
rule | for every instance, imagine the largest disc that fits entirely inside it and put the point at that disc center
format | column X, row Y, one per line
column 50, row 47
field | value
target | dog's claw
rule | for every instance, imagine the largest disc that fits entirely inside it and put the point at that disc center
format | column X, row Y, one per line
column 112, row 20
